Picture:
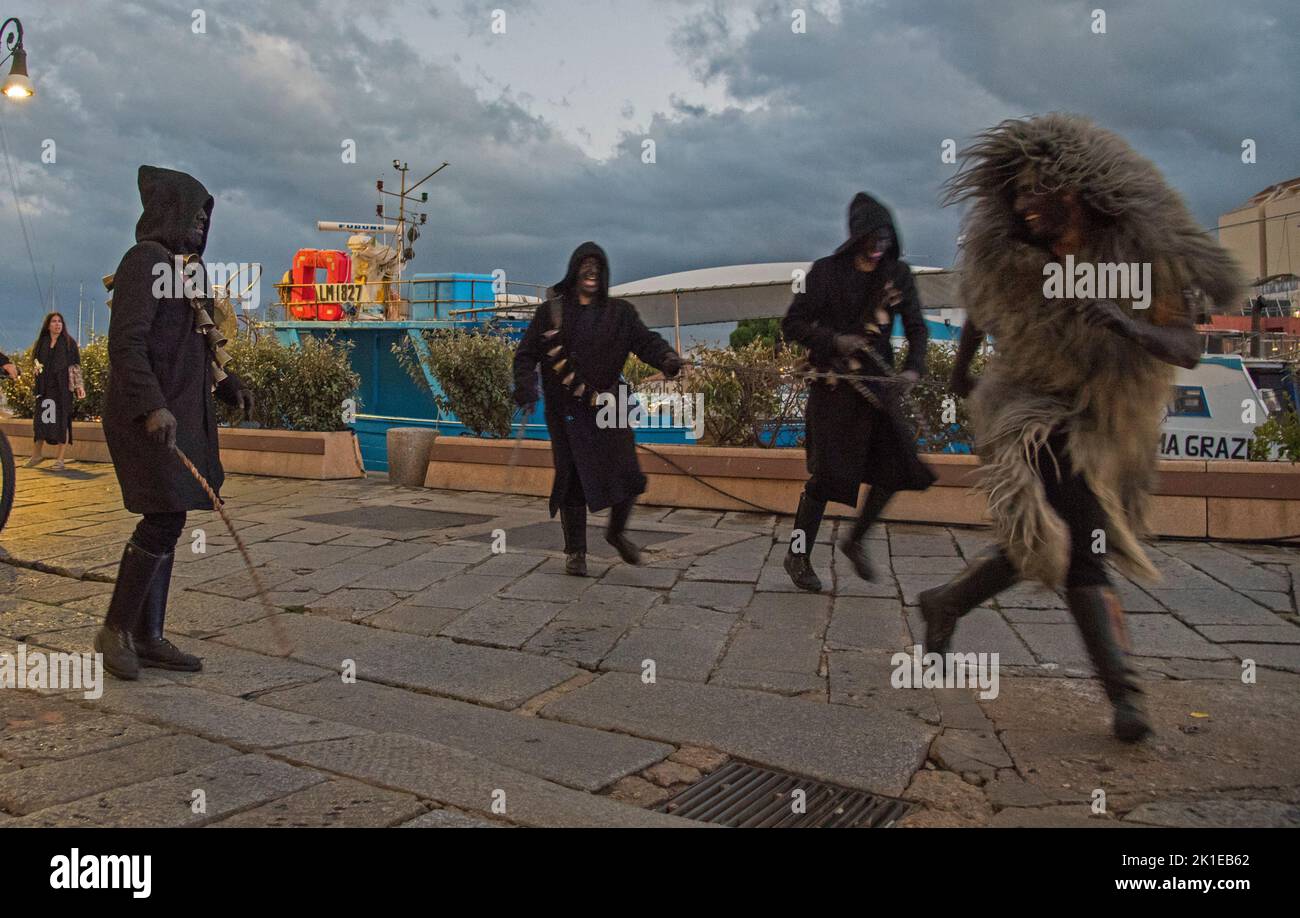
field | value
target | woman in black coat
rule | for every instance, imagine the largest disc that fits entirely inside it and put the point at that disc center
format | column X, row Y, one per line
column 160, row 385
column 844, row 318
column 58, row 378
column 581, row 339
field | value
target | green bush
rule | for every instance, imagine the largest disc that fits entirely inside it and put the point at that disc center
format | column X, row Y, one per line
column 19, row 393
column 306, row 386
column 300, row 387
column 743, row 387
column 474, row 370
column 747, row 330
column 939, row 417
column 1281, row 432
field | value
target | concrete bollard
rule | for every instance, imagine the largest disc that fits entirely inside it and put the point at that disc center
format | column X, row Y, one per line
column 408, row 455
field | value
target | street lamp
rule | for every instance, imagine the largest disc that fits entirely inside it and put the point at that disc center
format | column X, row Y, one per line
column 16, row 85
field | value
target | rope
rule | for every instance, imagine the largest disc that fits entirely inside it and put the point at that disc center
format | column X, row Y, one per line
column 281, row 639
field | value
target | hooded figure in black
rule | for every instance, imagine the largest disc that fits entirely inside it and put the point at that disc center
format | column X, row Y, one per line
column 161, row 380
column 854, row 431
column 581, row 339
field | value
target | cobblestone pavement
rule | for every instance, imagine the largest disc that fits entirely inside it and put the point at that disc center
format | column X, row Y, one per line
column 493, row 689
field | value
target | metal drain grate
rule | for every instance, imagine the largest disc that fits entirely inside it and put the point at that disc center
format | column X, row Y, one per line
column 749, row 797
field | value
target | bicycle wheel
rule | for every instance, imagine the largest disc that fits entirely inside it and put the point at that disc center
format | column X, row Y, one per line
column 6, row 479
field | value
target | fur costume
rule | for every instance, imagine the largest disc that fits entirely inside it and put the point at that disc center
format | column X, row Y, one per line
column 1051, row 368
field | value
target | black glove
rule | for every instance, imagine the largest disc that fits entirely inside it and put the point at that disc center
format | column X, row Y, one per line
column 244, row 402
column 673, row 364
column 525, row 398
column 160, row 425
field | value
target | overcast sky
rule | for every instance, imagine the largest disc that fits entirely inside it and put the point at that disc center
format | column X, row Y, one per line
column 762, row 134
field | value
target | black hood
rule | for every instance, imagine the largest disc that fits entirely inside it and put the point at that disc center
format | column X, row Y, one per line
column 571, row 276
column 866, row 215
column 171, row 200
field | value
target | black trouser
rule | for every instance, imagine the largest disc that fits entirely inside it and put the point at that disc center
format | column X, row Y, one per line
column 808, row 518
column 1069, row 495
column 157, row 533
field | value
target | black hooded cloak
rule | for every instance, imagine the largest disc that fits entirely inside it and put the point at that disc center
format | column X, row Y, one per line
column 593, row 465
column 157, row 359
column 848, row 441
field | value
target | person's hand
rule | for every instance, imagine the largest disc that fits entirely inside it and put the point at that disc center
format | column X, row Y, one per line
column 847, row 345
column 80, row 393
column 160, row 426
column 11, row 370
column 961, row 383
column 673, row 364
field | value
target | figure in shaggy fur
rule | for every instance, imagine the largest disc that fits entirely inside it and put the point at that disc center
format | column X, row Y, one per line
column 1067, row 414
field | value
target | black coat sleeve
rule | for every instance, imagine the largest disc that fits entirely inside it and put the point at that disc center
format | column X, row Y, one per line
column 648, row 346
column 914, row 327
column 131, row 318
column 528, row 354
column 802, row 320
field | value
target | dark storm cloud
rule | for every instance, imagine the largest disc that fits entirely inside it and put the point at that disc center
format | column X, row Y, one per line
column 258, row 107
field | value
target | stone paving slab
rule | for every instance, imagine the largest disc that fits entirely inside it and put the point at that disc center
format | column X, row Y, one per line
column 875, row 750
column 413, row 619
column 84, row 735
column 982, row 631
column 228, row 786
column 1216, row 605
column 578, row 757
column 456, row 778
column 724, row 597
column 463, row 591
column 500, row 678
column 584, row 634
column 689, row 654
column 1244, row 742
column 35, row 788
column 867, row 622
column 1277, row 656
column 1281, row 633
column 220, row 717
column 450, row 819
column 336, row 803
column 1217, row 812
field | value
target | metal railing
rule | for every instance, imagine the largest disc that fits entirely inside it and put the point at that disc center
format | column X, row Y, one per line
column 366, row 301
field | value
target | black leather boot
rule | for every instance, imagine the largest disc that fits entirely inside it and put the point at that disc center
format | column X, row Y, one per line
column 941, row 606
column 614, row 533
column 851, row 545
column 573, row 520
column 115, row 639
column 150, row 646
column 808, row 519
column 1100, row 618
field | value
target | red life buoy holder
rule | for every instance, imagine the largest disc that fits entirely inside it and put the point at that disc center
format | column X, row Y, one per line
column 303, row 278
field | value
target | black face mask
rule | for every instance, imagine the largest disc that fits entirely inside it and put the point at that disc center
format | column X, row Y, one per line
column 197, row 232
column 590, row 268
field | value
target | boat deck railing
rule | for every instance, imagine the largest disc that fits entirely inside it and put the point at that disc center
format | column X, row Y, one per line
column 416, row 299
